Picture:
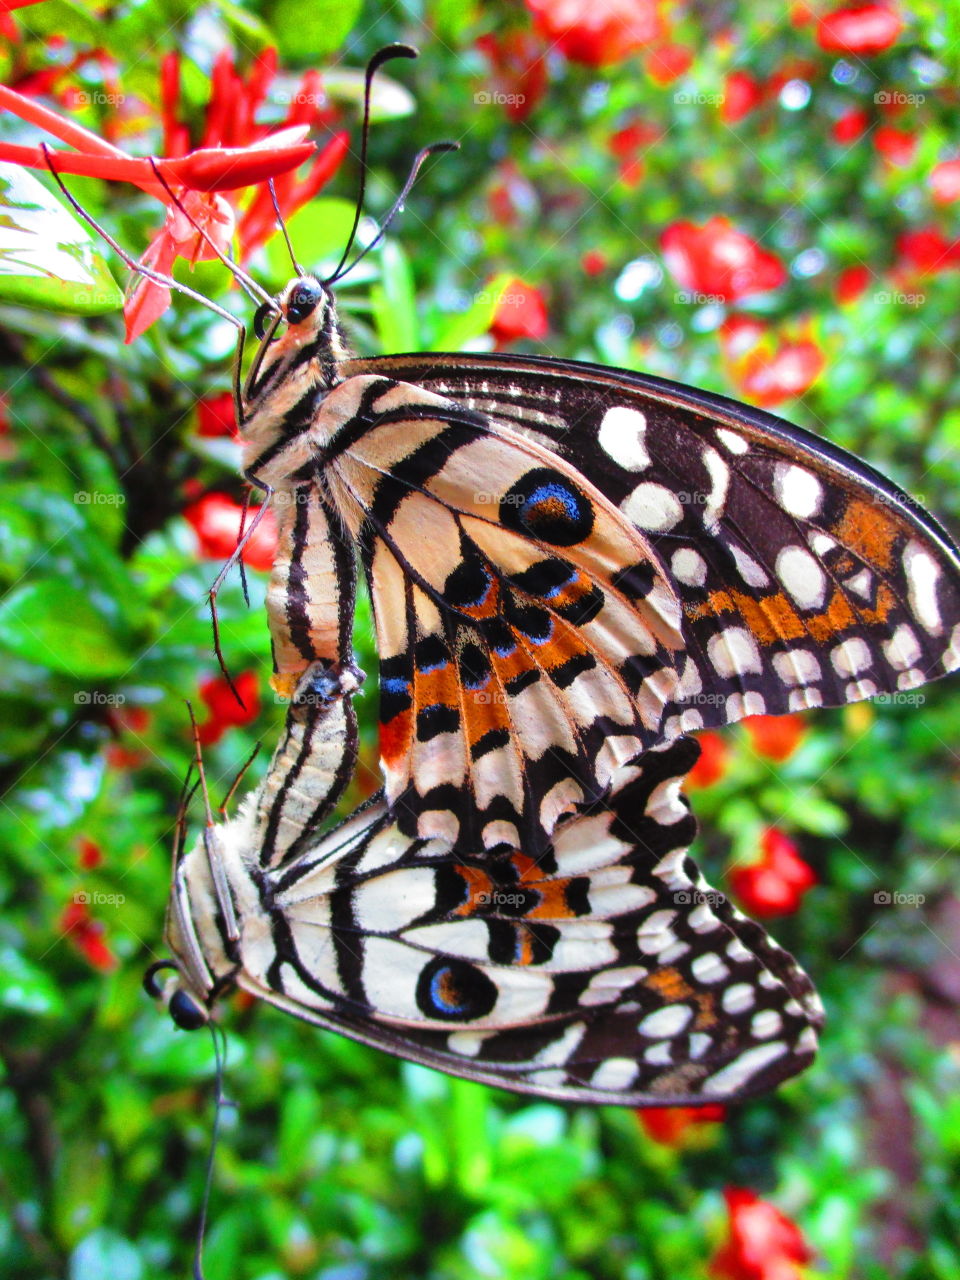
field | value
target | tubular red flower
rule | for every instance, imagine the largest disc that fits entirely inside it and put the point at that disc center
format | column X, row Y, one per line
column 775, row 884
column 763, row 1244
column 598, row 32
column 520, row 313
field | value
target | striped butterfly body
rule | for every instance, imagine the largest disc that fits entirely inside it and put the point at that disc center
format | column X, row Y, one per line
column 570, row 565
column 606, row 970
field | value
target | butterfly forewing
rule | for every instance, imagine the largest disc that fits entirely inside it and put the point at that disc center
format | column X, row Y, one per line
column 806, row 579
column 528, row 636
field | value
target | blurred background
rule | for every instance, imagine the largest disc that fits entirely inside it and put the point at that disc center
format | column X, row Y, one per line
column 756, row 198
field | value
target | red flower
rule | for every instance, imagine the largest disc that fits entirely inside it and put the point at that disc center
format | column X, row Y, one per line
column 718, row 260
column 627, row 144
column 235, row 153
column 741, row 94
column 712, row 762
column 668, row 63
column 945, row 181
column 866, row 29
column 926, row 251
column 850, row 126
column 597, row 32
column 215, row 416
column 519, row 70
column 776, row 737
column 670, row 1125
column 594, row 262
column 520, row 313
column 225, row 710
column 771, row 375
column 763, row 1245
column 740, row 334
column 216, row 521
column 896, row 145
column 852, row 282
column 87, row 935
column 774, row 885
column 90, row 854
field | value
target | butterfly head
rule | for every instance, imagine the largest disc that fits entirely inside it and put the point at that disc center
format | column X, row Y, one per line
column 307, row 308
column 187, row 1009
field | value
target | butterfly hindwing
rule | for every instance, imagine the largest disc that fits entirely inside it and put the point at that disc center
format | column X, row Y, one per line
column 806, row 578
column 607, row 971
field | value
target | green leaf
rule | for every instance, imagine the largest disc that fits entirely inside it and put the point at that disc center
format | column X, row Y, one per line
column 305, row 32
column 48, row 260
column 318, row 232
column 25, row 988
column 81, row 1190
column 464, row 327
column 395, row 303
column 52, row 624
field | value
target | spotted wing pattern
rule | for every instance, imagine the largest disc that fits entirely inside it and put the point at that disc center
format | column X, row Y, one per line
column 606, row 972
column 528, row 638
column 806, row 578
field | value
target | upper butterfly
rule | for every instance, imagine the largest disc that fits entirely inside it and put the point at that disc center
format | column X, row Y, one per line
column 568, row 563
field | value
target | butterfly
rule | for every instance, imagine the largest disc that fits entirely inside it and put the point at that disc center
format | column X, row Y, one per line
column 570, row 564
column 606, row 971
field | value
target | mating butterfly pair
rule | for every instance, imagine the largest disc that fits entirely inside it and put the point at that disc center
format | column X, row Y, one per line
column 571, row 567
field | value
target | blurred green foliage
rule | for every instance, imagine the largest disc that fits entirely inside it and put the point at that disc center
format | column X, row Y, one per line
column 337, row 1162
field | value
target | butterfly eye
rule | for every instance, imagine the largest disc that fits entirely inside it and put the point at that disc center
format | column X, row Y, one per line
column 302, row 301
column 186, row 1013
column 260, row 318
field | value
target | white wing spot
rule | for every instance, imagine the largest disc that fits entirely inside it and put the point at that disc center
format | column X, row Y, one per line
column 765, row 1024
column 851, row 657
column 753, row 574
column 719, row 474
column 652, row 507
column 923, row 573
column 902, row 650
column 665, row 1023
column 621, row 437
column 738, row 997
column 735, row 443
column 797, row 666
column 804, row 579
column 799, row 492
column 734, row 652
column 616, row 1074
column 709, row 968
column 689, row 567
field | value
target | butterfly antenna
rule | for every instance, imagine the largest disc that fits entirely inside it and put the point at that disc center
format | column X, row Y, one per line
column 198, row 759
column 245, row 281
column 138, row 268
column 435, row 148
column 238, row 779
column 386, row 54
column 281, row 223
column 220, row 1055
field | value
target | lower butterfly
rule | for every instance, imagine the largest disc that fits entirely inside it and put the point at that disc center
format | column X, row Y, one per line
column 606, row 971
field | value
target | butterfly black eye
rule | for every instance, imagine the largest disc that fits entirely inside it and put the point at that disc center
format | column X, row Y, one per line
column 302, row 301
column 186, row 1013
column 260, row 319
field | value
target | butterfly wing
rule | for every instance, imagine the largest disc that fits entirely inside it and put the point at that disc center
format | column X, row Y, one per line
column 806, row 578
column 528, row 637
column 607, row 972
